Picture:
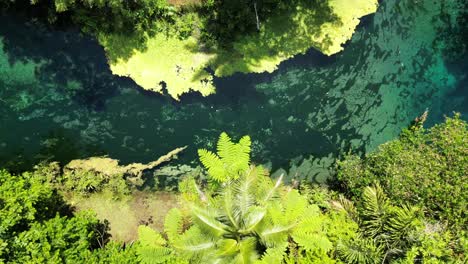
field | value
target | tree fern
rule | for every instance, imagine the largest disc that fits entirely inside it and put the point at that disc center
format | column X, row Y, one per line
column 173, row 224
column 152, row 246
column 214, row 165
column 249, row 218
column 230, row 160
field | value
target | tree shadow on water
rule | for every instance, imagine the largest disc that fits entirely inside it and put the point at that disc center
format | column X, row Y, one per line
column 73, row 64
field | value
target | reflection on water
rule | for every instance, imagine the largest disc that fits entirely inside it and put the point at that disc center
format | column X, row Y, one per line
column 58, row 99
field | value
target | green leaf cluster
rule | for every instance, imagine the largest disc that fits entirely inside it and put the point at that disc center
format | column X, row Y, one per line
column 37, row 226
column 424, row 167
column 231, row 160
column 252, row 219
column 247, row 218
column 394, row 234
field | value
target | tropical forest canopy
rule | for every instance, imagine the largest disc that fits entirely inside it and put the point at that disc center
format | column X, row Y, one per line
column 169, row 44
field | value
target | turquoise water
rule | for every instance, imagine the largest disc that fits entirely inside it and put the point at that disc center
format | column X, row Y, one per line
column 59, row 101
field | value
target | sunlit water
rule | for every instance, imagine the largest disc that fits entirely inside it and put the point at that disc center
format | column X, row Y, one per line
column 59, row 100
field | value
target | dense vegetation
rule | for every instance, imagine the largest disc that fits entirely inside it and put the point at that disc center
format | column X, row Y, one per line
column 404, row 203
column 36, row 226
column 426, row 168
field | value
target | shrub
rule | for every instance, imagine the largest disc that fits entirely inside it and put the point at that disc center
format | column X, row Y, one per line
column 423, row 167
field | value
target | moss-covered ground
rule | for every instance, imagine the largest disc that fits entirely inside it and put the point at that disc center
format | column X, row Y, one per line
column 127, row 213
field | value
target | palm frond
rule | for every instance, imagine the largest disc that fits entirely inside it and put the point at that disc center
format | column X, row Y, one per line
column 253, row 217
column 226, row 247
column 402, row 225
column 247, row 251
column 243, row 193
column 270, row 194
column 349, row 208
column 206, row 219
column 360, row 251
column 193, row 243
column 229, row 206
column 375, row 210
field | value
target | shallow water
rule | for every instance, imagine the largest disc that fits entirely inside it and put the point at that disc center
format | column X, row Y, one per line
column 59, row 101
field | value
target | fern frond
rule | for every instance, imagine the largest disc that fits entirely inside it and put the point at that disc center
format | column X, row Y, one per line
column 214, row 165
column 275, row 235
column 225, row 146
column 240, row 156
column 151, row 249
column 274, row 255
column 295, row 205
column 207, row 220
column 312, row 242
column 193, row 244
column 253, row 217
column 149, row 237
column 154, row 255
column 173, row 224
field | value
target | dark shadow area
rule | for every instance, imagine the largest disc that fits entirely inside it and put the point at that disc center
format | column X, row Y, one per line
column 61, row 145
column 76, row 64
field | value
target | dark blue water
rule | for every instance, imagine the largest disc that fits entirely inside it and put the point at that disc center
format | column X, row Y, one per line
column 59, row 100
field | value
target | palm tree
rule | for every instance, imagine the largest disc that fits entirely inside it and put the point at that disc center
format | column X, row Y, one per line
column 387, row 231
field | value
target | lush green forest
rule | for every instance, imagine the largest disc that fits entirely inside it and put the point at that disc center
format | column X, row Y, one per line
column 404, row 203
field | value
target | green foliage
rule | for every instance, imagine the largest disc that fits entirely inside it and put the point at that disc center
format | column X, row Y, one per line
column 57, row 240
column 36, row 226
column 433, row 247
column 250, row 218
column 399, row 234
column 151, row 248
column 423, row 167
column 362, row 251
column 86, row 182
column 231, row 159
column 24, row 200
